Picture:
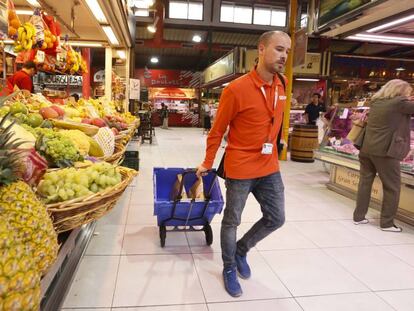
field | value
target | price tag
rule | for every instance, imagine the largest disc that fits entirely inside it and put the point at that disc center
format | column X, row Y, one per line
column 40, row 57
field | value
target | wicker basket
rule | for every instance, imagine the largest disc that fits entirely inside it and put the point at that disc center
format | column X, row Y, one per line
column 74, row 213
column 117, row 156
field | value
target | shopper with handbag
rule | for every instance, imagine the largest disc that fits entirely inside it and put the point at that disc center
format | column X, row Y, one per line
column 252, row 106
column 386, row 142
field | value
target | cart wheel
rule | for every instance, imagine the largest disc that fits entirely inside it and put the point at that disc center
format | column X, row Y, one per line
column 163, row 235
column 209, row 234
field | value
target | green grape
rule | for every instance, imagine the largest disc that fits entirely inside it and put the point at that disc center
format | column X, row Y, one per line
column 94, row 188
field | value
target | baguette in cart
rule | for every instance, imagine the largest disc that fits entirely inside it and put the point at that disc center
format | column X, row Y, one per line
column 175, row 211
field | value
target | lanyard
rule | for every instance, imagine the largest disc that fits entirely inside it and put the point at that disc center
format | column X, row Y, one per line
column 274, row 108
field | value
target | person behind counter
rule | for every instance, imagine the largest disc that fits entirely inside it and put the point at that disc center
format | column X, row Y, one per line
column 164, row 116
column 23, row 78
column 313, row 109
column 386, row 143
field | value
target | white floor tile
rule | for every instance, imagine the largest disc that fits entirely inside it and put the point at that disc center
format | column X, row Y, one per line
column 117, row 216
column 404, row 252
column 106, row 240
column 140, row 239
column 286, row 237
column 263, row 284
column 197, row 240
column 286, row 304
column 330, row 234
column 373, row 233
column 83, row 309
column 344, row 302
column 375, row 267
column 157, row 280
column 303, row 212
column 402, row 300
column 142, row 214
column 311, row 272
column 198, row 307
column 94, row 283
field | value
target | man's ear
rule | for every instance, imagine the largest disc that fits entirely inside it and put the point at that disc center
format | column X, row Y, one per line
column 261, row 48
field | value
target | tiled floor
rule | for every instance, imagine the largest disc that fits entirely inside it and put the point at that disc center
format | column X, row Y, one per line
column 319, row 260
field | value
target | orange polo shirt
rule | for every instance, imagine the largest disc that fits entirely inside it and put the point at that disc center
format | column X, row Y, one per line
column 249, row 114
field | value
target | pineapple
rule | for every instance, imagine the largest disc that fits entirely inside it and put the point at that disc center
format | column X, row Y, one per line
column 28, row 242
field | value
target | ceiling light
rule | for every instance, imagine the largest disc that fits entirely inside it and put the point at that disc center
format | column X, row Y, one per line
column 85, row 44
column 383, row 40
column 154, row 60
column 151, row 28
column 121, row 54
column 225, row 84
column 96, row 10
column 396, row 22
column 34, row 3
column 197, row 38
column 110, row 34
column 385, row 37
column 24, row 12
column 400, row 69
column 8, row 41
column 307, row 79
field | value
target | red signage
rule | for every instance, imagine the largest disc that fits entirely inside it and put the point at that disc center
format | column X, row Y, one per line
column 164, row 78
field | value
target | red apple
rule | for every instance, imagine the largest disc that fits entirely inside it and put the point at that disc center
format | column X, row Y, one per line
column 58, row 109
column 98, row 122
column 49, row 113
column 86, row 121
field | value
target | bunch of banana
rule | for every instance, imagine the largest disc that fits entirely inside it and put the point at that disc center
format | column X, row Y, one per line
column 25, row 37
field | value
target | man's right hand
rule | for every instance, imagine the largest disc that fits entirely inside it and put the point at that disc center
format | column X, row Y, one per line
column 201, row 171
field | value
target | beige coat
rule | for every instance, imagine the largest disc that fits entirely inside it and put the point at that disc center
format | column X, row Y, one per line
column 388, row 129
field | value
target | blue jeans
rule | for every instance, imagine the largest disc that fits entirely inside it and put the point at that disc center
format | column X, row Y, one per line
column 269, row 192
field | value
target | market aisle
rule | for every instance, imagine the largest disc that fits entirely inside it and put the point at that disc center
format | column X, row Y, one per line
column 319, row 260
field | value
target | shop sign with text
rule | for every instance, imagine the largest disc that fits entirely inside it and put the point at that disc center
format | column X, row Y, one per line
column 164, row 78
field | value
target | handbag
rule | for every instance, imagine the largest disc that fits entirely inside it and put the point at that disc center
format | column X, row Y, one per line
column 358, row 127
column 220, row 170
column 359, row 140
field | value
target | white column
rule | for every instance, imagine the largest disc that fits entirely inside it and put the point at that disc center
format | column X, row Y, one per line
column 108, row 73
column 127, row 74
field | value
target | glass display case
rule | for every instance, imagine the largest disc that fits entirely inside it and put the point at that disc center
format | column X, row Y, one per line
column 341, row 158
column 339, row 123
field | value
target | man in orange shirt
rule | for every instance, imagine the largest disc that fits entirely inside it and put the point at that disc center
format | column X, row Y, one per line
column 252, row 106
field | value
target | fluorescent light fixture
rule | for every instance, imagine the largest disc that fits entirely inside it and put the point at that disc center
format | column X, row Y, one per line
column 197, row 38
column 24, row 12
column 154, row 60
column 121, row 54
column 110, row 34
column 379, row 38
column 367, row 81
column 8, row 41
column 400, row 69
column 85, row 44
column 34, row 3
column 307, row 79
column 151, row 28
column 396, row 22
column 225, row 84
column 97, row 11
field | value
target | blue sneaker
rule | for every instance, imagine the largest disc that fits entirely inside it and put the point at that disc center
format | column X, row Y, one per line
column 231, row 283
column 243, row 267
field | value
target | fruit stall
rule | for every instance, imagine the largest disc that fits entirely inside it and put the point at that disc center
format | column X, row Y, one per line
column 59, row 172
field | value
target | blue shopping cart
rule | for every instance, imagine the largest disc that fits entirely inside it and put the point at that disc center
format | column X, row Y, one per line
column 186, row 213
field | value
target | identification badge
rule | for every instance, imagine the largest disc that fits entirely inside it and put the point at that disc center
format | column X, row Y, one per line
column 267, row 148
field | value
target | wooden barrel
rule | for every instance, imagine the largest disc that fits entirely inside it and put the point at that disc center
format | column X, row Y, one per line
column 304, row 140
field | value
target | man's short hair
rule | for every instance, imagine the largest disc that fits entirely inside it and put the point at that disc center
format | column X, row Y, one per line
column 29, row 65
column 265, row 37
column 317, row 94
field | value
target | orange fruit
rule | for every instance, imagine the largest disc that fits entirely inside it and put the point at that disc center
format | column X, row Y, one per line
column 12, row 31
column 50, row 45
column 15, row 23
column 44, row 46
